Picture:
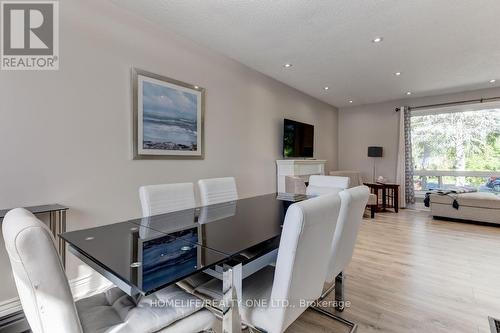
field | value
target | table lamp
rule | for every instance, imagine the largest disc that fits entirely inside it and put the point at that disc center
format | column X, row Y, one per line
column 374, row 152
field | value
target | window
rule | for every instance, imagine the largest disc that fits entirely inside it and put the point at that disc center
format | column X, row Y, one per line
column 457, row 147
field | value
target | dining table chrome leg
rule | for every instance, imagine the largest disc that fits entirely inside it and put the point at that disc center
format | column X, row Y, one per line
column 339, row 292
column 52, row 224
column 231, row 288
column 62, row 243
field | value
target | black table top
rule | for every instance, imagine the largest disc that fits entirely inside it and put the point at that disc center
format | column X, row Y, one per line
column 154, row 252
column 37, row 209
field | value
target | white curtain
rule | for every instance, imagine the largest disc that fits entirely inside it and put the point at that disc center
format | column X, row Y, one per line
column 404, row 173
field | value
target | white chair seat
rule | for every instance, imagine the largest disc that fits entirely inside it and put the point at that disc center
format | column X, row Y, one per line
column 194, row 281
column 197, row 322
column 114, row 311
column 256, row 287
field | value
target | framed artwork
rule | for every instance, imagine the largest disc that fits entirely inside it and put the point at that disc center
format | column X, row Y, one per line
column 167, row 117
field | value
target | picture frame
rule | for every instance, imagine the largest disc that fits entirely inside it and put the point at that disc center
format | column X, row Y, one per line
column 167, row 117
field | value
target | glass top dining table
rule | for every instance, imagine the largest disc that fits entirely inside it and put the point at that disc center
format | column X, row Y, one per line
column 141, row 256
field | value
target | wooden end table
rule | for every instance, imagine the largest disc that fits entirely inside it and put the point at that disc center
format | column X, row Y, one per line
column 389, row 193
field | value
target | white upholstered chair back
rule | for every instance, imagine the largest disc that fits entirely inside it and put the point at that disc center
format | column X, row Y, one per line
column 353, row 202
column 40, row 279
column 301, row 266
column 217, row 190
column 166, row 198
column 319, row 185
column 355, row 178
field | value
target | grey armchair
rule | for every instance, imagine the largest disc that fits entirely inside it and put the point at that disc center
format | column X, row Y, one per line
column 355, row 179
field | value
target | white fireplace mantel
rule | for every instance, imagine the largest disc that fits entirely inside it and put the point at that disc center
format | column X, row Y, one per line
column 299, row 168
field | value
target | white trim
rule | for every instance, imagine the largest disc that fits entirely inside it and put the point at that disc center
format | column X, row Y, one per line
column 301, row 161
column 81, row 287
column 10, row 306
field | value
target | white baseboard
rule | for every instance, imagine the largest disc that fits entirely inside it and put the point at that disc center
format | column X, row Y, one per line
column 81, row 287
column 10, row 306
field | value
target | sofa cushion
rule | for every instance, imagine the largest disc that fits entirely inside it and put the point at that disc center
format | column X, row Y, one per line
column 474, row 199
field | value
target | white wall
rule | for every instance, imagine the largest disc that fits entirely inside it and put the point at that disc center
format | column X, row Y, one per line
column 378, row 125
column 66, row 135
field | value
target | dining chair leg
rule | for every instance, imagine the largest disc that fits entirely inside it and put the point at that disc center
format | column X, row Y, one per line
column 344, row 321
column 338, row 286
column 231, row 288
column 218, row 314
column 339, row 292
column 327, row 291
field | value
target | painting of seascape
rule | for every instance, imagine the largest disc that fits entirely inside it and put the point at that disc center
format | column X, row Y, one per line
column 168, row 117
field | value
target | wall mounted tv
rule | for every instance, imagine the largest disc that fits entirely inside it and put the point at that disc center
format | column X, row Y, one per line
column 298, row 139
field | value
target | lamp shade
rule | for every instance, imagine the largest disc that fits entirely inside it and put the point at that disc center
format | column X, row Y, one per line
column 375, row 151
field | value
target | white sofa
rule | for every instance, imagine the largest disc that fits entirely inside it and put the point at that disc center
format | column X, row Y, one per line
column 476, row 206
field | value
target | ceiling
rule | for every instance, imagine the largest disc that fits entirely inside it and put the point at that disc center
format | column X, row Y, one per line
column 439, row 46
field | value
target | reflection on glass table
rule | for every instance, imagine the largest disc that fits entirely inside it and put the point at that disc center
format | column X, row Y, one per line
column 141, row 265
column 230, row 227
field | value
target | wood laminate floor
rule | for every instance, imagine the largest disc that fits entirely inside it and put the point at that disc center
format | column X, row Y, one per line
column 411, row 273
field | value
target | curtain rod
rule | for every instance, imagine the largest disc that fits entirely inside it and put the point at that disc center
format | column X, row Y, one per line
column 470, row 101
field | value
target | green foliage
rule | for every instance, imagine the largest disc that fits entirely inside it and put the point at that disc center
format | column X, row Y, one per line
column 457, row 141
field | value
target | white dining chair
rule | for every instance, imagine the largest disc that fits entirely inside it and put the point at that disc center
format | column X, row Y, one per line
column 352, row 207
column 274, row 297
column 217, row 190
column 175, row 199
column 319, row 185
column 166, row 198
column 48, row 303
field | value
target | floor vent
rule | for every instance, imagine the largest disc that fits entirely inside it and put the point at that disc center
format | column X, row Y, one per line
column 494, row 325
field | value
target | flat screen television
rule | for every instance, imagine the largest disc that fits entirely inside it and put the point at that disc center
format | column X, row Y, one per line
column 298, row 139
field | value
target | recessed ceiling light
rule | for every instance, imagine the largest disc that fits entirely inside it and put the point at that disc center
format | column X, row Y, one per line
column 196, row 87
column 350, row 101
column 397, row 73
column 408, row 93
column 377, row 39
column 326, row 88
column 287, row 65
column 493, row 81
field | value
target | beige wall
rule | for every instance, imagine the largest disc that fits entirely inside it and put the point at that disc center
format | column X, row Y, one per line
column 378, row 125
column 66, row 135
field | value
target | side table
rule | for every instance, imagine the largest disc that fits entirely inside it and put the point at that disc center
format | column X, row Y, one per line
column 389, row 193
column 57, row 223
